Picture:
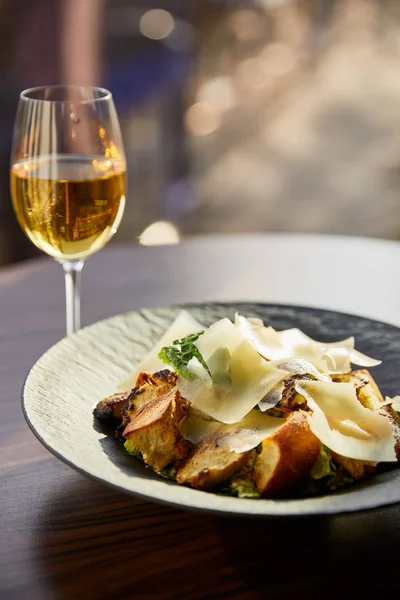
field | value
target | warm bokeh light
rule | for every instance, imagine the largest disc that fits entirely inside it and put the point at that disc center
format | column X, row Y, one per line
column 156, row 24
column 278, row 59
column 182, row 37
column 251, row 76
column 160, row 233
column 273, row 4
column 292, row 105
column 202, row 118
column 247, row 24
column 218, row 91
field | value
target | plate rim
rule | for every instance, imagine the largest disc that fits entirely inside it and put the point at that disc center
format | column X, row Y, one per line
column 188, row 506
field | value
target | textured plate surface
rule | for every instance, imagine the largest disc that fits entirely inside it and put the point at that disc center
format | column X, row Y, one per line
column 70, row 378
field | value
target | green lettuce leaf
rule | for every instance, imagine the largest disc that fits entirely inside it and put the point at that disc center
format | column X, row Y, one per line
column 324, row 465
column 244, row 488
column 180, row 353
column 242, row 484
column 131, row 449
column 326, row 476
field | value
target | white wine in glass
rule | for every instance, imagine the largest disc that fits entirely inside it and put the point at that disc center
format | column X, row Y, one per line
column 68, row 177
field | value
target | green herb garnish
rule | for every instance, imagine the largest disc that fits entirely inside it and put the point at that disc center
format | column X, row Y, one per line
column 180, row 353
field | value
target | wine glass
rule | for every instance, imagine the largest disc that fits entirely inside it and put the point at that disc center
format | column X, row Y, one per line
column 68, row 177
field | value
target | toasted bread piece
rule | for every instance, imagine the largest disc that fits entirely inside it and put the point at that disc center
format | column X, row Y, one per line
column 291, row 400
column 387, row 411
column 287, row 456
column 367, row 390
column 110, row 408
column 154, row 431
column 165, row 376
column 370, row 396
column 357, row 469
column 149, row 387
column 210, row 463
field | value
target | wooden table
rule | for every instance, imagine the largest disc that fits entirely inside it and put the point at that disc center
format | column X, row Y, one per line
column 65, row 536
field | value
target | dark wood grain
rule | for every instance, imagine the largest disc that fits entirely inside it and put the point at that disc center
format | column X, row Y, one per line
column 65, row 536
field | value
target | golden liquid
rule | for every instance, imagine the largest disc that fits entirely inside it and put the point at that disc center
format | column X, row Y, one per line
column 68, row 206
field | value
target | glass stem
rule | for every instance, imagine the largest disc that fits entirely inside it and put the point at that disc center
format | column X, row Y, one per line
column 72, row 272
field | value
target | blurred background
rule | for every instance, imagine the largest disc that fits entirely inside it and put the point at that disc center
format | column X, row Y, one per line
column 237, row 116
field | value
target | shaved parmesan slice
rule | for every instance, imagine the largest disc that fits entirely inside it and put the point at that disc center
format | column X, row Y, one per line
column 264, row 339
column 395, row 402
column 221, row 334
column 299, row 366
column 228, row 404
column 198, row 413
column 183, row 325
column 195, row 367
column 250, row 377
column 337, row 359
column 219, row 365
column 194, row 428
column 274, row 344
column 351, row 428
column 340, row 422
column 293, row 366
column 296, row 336
column 238, row 437
column 362, row 360
column 272, row 398
column 251, row 431
column 311, row 353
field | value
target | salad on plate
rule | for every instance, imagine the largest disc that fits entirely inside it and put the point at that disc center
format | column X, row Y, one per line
column 240, row 408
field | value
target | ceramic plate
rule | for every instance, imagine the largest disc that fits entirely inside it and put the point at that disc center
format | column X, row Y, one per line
column 69, row 379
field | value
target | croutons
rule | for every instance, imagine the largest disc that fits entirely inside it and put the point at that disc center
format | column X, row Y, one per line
column 151, row 414
column 287, row 456
column 367, row 391
column 210, row 463
column 357, row 469
column 291, row 400
column 387, row 411
column 165, row 376
column 110, row 408
column 154, row 431
column 149, row 386
column 370, row 396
